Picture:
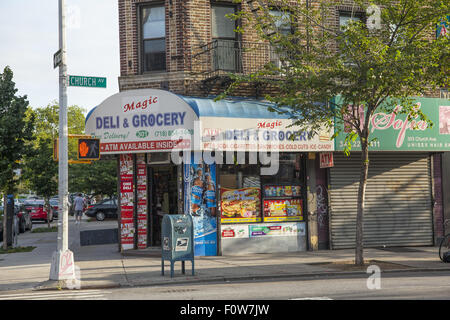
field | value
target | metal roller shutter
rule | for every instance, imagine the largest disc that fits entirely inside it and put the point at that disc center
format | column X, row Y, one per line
column 398, row 200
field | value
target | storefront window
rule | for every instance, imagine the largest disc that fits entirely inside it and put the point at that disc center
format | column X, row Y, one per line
column 247, row 197
column 240, row 194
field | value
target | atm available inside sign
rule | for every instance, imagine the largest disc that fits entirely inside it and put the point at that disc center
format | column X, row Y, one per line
column 91, row 82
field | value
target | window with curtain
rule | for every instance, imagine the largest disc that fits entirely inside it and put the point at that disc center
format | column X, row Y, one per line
column 153, row 38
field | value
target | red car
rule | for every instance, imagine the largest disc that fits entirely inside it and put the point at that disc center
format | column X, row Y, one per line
column 37, row 211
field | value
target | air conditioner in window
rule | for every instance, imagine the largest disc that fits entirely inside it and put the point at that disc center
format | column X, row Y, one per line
column 158, row 158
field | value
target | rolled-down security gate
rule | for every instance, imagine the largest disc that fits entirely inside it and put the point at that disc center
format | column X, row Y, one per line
column 398, row 200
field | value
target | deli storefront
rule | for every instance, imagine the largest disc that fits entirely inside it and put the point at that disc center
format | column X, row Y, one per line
column 236, row 167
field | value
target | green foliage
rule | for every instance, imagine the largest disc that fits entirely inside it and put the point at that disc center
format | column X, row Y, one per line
column 40, row 170
column 41, row 230
column 15, row 130
column 376, row 68
column 17, row 249
column 97, row 178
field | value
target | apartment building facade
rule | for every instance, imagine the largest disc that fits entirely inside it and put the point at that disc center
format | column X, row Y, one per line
column 175, row 56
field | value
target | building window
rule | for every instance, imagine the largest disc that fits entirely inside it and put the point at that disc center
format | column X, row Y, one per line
column 226, row 54
column 282, row 21
column 153, row 38
column 346, row 17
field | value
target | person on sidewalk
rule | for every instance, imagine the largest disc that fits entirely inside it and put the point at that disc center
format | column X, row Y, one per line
column 78, row 206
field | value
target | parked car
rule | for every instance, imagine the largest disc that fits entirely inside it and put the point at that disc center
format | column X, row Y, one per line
column 106, row 208
column 38, row 211
column 54, row 207
column 24, row 217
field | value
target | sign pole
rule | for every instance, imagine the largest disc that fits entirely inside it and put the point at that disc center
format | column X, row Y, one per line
column 62, row 267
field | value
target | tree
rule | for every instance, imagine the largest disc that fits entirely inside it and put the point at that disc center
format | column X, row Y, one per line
column 341, row 77
column 98, row 178
column 41, row 171
column 15, row 132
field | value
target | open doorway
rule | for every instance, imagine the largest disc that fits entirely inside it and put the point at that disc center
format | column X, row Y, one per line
column 163, row 197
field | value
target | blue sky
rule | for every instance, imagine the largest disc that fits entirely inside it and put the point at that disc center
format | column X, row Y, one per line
column 29, row 38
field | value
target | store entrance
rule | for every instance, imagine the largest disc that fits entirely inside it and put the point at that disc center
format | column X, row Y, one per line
column 163, row 198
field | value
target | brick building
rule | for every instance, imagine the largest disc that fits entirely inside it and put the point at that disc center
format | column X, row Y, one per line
column 175, row 55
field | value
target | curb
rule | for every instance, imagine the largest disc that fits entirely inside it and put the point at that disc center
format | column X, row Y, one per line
column 56, row 285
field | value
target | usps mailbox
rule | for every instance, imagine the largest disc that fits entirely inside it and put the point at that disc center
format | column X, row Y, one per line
column 177, row 241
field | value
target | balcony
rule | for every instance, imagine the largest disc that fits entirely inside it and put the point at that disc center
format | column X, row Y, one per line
column 221, row 57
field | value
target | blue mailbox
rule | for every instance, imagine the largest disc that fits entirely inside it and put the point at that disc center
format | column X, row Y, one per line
column 177, row 241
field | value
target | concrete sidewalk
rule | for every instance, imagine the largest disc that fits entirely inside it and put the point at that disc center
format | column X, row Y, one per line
column 102, row 266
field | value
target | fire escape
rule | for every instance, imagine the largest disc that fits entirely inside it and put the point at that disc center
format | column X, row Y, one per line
column 213, row 63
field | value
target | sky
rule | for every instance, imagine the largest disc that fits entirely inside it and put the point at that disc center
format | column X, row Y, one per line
column 29, row 38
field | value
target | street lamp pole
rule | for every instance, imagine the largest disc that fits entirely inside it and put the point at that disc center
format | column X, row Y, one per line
column 62, row 267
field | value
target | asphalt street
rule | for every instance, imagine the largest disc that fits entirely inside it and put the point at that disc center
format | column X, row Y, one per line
column 410, row 286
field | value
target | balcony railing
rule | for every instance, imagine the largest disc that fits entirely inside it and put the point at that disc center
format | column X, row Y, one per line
column 220, row 57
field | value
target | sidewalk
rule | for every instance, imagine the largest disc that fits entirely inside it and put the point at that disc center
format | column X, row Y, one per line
column 102, row 266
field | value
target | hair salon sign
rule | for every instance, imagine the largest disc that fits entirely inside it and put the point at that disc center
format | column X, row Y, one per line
column 394, row 132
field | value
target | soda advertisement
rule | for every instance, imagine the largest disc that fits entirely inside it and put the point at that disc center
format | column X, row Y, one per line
column 240, row 205
column 283, row 210
column 126, row 202
column 201, row 204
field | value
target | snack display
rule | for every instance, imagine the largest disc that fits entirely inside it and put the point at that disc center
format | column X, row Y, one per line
column 282, row 191
column 240, row 204
column 283, row 210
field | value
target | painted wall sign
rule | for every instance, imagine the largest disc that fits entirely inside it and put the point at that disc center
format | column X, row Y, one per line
column 394, row 132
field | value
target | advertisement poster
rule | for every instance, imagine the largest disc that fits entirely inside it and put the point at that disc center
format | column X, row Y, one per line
column 282, row 191
column 201, row 204
column 235, row 231
column 126, row 202
column 274, row 230
column 141, row 184
column 283, row 210
column 240, row 205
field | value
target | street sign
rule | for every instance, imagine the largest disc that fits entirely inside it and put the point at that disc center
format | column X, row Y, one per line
column 326, row 160
column 57, row 59
column 90, row 82
column 88, row 149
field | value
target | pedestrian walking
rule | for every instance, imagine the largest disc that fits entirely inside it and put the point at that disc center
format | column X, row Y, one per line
column 78, row 206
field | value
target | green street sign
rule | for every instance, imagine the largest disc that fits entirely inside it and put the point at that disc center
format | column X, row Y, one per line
column 90, row 82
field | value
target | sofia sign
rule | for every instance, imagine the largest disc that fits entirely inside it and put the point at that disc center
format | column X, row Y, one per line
column 141, row 121
column 394, row 132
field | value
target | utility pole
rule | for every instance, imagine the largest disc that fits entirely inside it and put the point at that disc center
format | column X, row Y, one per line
column 63, row 266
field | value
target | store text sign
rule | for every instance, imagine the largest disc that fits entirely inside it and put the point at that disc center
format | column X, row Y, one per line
column 146, row 120
column 326, row 160
column 396, row 131
column 248, row 134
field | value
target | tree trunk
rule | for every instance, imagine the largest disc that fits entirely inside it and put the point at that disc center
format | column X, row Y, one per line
column 5, row 233
column 359, row 254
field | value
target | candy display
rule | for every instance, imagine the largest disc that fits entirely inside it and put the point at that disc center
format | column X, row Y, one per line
column 282, row 191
